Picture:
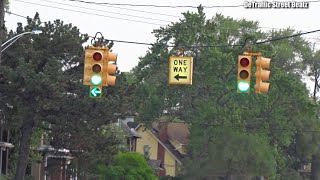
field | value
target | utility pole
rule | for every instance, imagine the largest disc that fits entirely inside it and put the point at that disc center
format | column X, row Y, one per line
column 1, row 23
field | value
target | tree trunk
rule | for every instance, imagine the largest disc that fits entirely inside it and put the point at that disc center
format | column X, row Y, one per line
column 315, row 163
column 26, row 134
column 315, row 167
column 315, row 89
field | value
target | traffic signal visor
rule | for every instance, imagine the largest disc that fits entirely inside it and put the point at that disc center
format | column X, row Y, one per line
column 262, row 75
column 109, row 78
column 87, row 67
column 244, row 73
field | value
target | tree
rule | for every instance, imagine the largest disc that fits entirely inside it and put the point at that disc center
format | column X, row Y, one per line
column 42, row 89
column 129, row 166
column 222, row 121
column 4, row 4
column 312, row 62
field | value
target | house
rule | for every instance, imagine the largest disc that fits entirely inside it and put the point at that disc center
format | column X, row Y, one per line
column 54, row 164
column 305, row 170
column 128, row 127
column 165, row 143
column 5, row 146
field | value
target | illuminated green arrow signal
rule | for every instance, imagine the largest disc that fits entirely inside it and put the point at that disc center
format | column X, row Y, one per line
column 95, row 92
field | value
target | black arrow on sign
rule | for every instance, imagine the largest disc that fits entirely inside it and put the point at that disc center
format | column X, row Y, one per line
column 180, row 77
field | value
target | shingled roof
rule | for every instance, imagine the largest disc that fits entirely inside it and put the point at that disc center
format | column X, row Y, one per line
column 176, row 131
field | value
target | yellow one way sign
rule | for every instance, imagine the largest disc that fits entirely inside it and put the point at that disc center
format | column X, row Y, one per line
column 180, row 69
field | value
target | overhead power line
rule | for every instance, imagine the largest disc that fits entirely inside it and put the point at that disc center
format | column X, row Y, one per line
column 227, row 45
column 286, row 37
column 188, row 46
column 167, row 6
column 112, row 17
column 158, row 6
column 136, row 10
column 9, row 12
column 142, row 17
column 197, row 46
column 132, row 42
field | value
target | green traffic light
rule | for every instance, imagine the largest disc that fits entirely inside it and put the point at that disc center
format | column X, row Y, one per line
column 243, row 86
column 95, row 92
column 96, row 79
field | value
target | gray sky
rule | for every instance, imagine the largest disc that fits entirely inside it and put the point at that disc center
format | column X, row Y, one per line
column 120, row 22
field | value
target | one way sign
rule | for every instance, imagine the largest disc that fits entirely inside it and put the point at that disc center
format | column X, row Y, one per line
column 180, row 69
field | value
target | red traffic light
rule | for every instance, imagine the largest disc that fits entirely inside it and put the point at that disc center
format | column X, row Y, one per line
column 244, row 62
column 97, row 56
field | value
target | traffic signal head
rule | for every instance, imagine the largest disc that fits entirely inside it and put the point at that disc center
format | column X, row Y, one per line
column 93, row 66
column 262, row 75
column 93, row 69
column 109, row 78
column 244, row 73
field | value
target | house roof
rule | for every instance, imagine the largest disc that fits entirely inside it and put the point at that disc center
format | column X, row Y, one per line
column 6, row 145
column 170, row 148
column 128, row 128
column 176, row 155
column 51, row 152
column 132, row 124
column 176, row 131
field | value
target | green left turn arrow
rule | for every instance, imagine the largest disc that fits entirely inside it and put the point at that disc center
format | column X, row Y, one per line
column 95, row 92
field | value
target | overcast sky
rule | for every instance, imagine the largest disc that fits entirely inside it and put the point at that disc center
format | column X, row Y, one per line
column 131, row 23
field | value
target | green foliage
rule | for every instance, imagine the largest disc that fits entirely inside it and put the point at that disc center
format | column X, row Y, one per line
column 290, row 174
column 36, row 140
column 42, row 82
column 231, row 133
column 129, row 166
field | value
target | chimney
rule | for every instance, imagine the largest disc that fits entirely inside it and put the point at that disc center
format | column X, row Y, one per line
column 163, row 131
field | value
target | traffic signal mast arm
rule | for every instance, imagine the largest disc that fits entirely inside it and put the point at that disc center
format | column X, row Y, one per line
column 252, row 54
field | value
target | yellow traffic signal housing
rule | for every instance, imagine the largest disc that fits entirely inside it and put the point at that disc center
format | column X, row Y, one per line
column 109, row 72
column 262, row 75
column 93, row 65
column 87, row 73
column 93, row 69
column 244, row 73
